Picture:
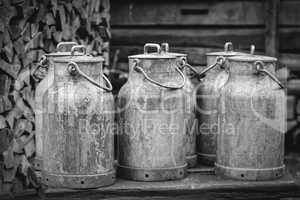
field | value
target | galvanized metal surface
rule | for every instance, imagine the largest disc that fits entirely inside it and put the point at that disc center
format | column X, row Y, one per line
column 151, row 140
column 79, row 124
column 208, row 92
column 63, row 49
column 189, row 109
column 252, row 116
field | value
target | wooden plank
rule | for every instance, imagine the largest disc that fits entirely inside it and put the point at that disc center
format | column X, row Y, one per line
column 271, row 22
column 207, row 37
column 195, row 186
column 215, row 13
column 292, row 61
column 289, row 13
column 293, row 87
column 187, row 13
column 291, row 104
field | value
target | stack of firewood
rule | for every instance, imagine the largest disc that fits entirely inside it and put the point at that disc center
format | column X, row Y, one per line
column 29, row 29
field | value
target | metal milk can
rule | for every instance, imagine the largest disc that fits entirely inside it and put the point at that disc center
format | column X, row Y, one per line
column 189, row 109
column 207, row 103
column 253, row 120
column 151, row 140
column 78, row 143
column 63, row 49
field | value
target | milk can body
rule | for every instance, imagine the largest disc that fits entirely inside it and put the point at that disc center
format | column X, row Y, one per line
column 189, row 110
column 151, row 140
column 78, row 138
column 253, row 110
column 63, row 49
column 207, row 97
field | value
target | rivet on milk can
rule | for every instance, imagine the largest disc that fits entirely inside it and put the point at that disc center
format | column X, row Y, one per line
column 252, row 115
column 189, row 109
column 78, row 144
column 151, row 119
column 207, row 103
column 63, row 49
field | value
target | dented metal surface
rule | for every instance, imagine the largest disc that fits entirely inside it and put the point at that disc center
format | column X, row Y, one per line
column 78, row 136
column 63, row 49
column 208, row 92
column 151, row 140
column 252, row 114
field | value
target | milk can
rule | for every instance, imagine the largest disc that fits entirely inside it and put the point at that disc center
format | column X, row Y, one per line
column 189, row 109
column 78, row 138
column 253, row 121
column 207, row 103
column 63, row 49
column 151, row 144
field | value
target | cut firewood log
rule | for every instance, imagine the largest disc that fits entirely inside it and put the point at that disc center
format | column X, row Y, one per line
column 10, row 69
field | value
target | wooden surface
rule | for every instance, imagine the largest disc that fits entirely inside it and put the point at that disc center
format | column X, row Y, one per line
column 271, row 23
column 195, row 186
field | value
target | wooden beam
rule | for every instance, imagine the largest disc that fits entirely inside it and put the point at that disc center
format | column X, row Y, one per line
column 271, row 22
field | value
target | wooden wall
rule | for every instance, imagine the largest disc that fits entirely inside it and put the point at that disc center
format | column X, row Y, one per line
column 197, row 27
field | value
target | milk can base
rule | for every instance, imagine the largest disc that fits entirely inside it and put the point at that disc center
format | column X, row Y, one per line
column 161, row 174
column 249, row 174
column 206, row 159
column 38, row 163
column 191, row 161
column 79, row 181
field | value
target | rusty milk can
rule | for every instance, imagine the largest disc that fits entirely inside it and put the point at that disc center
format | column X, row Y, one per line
column 253, row 121
column 78, row 139
column 63, row 49
column 189, row 109
column 151, row 140
column 207, row 103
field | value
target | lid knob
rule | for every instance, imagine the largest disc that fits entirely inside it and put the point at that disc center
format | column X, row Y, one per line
column 228, row 47
column 252, row 49
column 164, row 47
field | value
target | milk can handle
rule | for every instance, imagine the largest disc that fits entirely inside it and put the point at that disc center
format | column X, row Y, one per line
column 139, row 69
column 43, row 60
column 183, row 63
column 260, row 67
column 73, row 69
column 220, row 60
column 77, row 48
column 61, row 44
column 153, row 45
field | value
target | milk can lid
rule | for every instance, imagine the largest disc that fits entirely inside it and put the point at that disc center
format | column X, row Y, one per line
column 64, row 49
column 228, row 51
column 164, row 48
column 60, row 54
column 78, row 54
column 156, row 55
column 253, row 58
column 79, row 59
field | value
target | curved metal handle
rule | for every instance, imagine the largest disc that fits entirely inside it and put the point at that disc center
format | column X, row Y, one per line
column 220, row 60
column 43, row 60
column 252, row 49
column 139, row 69
column 74, row 69
column 260, row 68
column 78, row 48
column 152, row 45
column 183, row 63
column 65, row 44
